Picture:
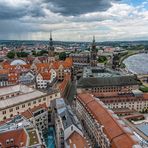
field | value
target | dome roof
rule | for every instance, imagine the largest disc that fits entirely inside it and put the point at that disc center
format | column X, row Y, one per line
column 18, row 62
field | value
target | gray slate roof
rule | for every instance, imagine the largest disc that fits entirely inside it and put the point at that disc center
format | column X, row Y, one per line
column 108, row 81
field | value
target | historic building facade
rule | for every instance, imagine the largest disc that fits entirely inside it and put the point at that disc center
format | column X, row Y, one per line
column 104, row 128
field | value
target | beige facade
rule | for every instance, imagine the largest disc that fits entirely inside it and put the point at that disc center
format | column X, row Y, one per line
column 16, row 109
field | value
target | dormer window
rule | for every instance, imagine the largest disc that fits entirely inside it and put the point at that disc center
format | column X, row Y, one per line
column 12, row 141
column 7, row 141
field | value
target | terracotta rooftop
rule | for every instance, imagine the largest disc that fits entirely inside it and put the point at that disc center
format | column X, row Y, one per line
column 40, row 106
column 145, row 96
column 4, row 71
column 115, row 132
column 18, row 136
column 77, row 141
column 64, row 83
column 46, row 75
column 29, row 113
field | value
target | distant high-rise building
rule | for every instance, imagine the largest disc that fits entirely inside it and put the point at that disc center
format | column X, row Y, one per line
column 51, row 47
column 93, row 53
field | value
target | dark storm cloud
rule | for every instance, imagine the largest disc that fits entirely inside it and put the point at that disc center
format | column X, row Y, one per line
column 9, row 12
column 78, row 7
column 63, row 7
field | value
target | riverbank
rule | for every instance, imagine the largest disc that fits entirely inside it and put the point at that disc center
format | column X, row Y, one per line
column 137, row 63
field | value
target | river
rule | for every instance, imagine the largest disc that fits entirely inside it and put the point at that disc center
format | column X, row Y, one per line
column 137, row 64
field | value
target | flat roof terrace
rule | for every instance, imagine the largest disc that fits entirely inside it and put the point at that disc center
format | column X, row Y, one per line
column 27, row 95
column 13, row 89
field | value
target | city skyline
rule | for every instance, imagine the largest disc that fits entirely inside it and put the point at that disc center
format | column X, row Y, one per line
column 108, row 20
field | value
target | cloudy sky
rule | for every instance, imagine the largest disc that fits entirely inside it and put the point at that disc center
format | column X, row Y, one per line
column 74, row 20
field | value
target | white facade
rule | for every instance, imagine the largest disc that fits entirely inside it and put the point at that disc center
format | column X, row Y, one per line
column 16, row 101
column 43, row 83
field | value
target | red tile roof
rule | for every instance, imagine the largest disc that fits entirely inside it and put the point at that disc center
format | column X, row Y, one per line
column 46, row 75
column 4, row 71
column 76, row 140
column 64, row 83
column 19, row 137
column 117, row 136
column 145, row 96
column 29, row 113
column 40, row 106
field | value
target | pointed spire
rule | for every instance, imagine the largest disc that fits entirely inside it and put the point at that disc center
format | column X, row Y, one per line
column 50, row 35
column 93, row 39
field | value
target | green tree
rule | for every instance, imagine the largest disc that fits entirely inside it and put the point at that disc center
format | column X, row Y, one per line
column 11, row 55
column 22, row 54
column 62, row 56
column 102, row 59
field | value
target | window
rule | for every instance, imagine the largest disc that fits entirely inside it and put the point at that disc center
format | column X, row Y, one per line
column 23, row 105
column 17, row 107
column 34, row 102
column 7, row 141
column 29, row 104
column 44, row 99
column 4, row 112
column 11, row 110
column 39, row 100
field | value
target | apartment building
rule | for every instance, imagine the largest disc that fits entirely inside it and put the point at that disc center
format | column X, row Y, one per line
column 104, row 128
column 20, row 133
column 68, row 128
column 45, row 79
column 99, row 80
column 19, row 98
column 135, row 100
column 38, row 116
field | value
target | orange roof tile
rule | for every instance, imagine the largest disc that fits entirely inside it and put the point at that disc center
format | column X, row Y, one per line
column 41, row 66
column 68, row 62
column 145, row 96
column 40, row 106
column 64, row 83
column 27, row 114
column 19, row 136
column 46, row 75
column 117, row 136
column 4, row 71
column 77, row 140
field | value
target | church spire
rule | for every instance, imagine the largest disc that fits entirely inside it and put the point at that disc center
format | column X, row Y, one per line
column 51, row 48
column 94, row 43
column 93, row 39
column 50, row 35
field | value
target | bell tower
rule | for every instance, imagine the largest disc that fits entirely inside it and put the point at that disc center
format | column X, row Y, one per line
column 51, row 47
column 93, row 54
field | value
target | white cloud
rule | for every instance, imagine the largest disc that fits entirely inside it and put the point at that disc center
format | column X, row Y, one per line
column 120, row 22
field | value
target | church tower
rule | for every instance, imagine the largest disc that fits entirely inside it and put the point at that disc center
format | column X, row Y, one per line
column 51, row 47
column 93, row 54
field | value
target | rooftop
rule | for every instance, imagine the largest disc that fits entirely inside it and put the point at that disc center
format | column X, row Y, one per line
column 77, row 141
column 107, row 81
column 33, row 137
column 113, row 128
column 18, row 62
column 98, row 77
column 17, row 138
column 99, row 72
column 16, row 88
column 28, row 94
